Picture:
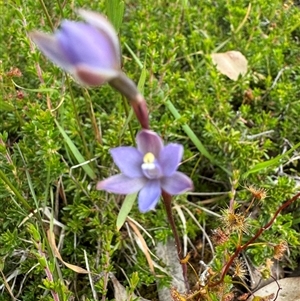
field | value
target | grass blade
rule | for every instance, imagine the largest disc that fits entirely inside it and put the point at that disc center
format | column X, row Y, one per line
column 80, row 159
column 194, row 138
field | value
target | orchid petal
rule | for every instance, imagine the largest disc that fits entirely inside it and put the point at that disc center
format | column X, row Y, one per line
column 129, row 161
column 50, row 46
column 169, row 158
column 104, row 26
column 149, row 142
column 93, row 77
column 176, row 184
column 121, row 184
column 149, row 196
column 84, row 44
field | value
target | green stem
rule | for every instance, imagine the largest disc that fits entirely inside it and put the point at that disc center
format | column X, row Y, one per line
column 14, row 190
column 60, row 8
column 127, row 113
column 87, row 153
column 91, row 113
column 47, row 14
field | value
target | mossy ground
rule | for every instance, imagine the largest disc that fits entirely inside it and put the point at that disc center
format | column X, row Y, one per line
column 241, row 124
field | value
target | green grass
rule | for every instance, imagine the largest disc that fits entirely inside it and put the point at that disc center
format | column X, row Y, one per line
column 55, row 138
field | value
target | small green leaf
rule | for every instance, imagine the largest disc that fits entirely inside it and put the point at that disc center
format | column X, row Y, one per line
column 125, row 209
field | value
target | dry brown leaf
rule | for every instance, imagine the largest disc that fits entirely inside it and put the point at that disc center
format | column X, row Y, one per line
column 144, row 245
column 7, row 286
column 231, row 63
column 56, row 253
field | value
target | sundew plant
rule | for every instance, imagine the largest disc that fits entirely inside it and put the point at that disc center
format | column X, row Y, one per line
column 148, row 151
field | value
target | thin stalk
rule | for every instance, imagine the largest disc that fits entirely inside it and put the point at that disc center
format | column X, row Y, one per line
column 127, row 113
column 60, row 8
column 167, row 198
column 48, row 273
column 88, row 155
column 91, row 113
column 14, row 190
column 127, row 88
column 47, row 14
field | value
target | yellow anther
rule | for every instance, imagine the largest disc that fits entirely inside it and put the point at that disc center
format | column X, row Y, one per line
column 149, row 158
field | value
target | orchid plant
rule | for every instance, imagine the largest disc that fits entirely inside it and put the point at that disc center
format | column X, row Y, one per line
column 90, row 52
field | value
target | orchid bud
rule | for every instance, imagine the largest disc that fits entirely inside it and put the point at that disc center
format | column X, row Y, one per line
column 89, row 51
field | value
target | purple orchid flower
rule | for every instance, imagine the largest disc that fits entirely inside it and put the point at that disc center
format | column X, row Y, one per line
column 149, row 169
column 90, row 51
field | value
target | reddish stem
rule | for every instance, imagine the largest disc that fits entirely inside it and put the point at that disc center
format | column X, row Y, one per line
column 168, row 205
column 258, row 233
column 127, row 87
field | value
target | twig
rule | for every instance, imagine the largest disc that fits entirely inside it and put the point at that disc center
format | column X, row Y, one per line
column 258, row 233
column 279, row 288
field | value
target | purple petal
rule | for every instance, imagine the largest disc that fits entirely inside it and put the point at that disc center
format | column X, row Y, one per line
column 102, row 24
column 129, row 161
column 84, row 44
column 177, row 183
column 149, row 142
column 93, row 77
column 169, row 158
column 121, row 184
column 149, row 196
column 49, row 45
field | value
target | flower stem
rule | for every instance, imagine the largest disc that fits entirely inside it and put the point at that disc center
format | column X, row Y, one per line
column 127, row 113
column 167, row 198
column 127, row 87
